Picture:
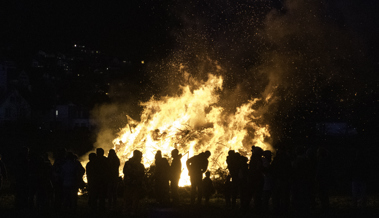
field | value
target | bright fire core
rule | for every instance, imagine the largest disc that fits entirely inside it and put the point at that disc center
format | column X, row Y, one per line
column 192, row 122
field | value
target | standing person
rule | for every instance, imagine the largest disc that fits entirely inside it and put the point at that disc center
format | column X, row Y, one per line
column 114, row 165
column 243, row 178
column 323, row 177
column 281, row 170
column 3, row 173
column 60, row 159
column 35, row 176
column 232, row 161
column 208, row 188
column 47, row 192
column 79, row 183
column 72, row 172
column 22, row 179
column 360, row 175
column 302, row 179
column 175, row 170
column 197, row 165
column 256, row 179
column 228, row 190
column 134, row 172
column 102, row 178
column 91, row 180
column 161, row 175
column 40, row 185
column 268, row 183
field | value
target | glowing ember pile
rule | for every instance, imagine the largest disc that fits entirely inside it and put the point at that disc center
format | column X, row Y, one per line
column 192, row 123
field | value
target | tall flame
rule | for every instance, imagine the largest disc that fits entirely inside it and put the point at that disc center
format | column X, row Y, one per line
column 192, row 123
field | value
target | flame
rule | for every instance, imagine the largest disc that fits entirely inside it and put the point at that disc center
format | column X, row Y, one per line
column 192, row 123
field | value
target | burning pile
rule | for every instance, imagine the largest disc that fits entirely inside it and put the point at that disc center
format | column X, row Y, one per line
column 192, row 123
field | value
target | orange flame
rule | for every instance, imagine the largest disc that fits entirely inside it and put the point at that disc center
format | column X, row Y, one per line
column 192, row 122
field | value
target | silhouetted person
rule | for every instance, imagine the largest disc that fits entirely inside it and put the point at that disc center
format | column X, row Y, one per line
column 323, row 176
column 3, row 173
column 91, row 181
column 301, row 187
column 60, row 158
column 47, row 187
column 268, row 182
column 22, row 179
column 134, row 172
column 161, row 176
column 175, row 171
column 208, row 188
column 243, row 178
column 256, row 179
column 360, row 174
column 40, row 186
column 35, row 164
column 281, row 169
column 197, row 165
column 72, row 172
column 233, row 162
column 114, row 165
column 80, row 184
column 311, row 154
column 228, row 190
column 102, row 178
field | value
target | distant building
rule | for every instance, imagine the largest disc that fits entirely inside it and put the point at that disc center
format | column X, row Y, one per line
column 70, row 116
column 14, row 108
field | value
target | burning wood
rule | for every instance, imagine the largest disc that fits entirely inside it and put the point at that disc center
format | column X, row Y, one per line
column 192, row 123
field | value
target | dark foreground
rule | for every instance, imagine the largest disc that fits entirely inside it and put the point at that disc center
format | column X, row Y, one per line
column 340, row 207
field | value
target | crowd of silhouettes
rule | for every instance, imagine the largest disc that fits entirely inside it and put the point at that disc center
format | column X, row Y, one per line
column 39, row 185
column 267, row 182
column 285, row 180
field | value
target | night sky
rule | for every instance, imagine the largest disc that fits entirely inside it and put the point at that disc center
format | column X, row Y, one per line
column 320, row 59
column 130, row 28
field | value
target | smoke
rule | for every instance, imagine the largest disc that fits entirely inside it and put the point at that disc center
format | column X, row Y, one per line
column 287, row 54
column 310, row 58
column 298, row 57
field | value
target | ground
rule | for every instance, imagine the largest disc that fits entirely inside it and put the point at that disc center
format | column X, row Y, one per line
column 340, row 207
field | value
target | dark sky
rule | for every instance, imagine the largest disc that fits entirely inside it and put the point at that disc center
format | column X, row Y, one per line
column 123, row 28
column 322, row 52
column 134, row 26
